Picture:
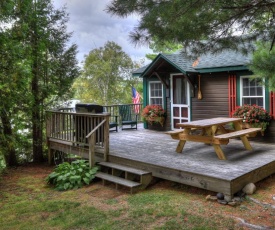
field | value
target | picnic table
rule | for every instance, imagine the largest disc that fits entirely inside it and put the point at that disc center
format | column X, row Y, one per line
column 212, row 131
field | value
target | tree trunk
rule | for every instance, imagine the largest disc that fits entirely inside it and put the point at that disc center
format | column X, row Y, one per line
column 8, row 141
column 37, row 136
column 36, row 106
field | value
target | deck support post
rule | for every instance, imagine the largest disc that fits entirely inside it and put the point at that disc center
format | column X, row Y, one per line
column 50, row 156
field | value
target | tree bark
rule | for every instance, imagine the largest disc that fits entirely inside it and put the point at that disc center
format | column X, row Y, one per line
column 36, row 118
column 7, row 142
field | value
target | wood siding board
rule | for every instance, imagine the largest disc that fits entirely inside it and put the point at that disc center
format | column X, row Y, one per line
column 215, row 97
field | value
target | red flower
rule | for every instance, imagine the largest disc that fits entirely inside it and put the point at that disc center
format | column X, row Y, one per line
column 153, row 114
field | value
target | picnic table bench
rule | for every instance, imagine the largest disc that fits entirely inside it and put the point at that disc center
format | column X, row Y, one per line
column 212, row 131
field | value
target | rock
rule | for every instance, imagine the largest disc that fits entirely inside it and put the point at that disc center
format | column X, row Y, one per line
column 249, row 189
column 220, row 196
column 232, row 203
column 222, row 202
column 237, row 200
column 213, row 198
column 243, row 207
column 227, row 198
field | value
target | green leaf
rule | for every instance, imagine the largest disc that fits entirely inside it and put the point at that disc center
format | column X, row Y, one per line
column 68, row 176
column 66, row 186
column 88, row 174
column 86, row 180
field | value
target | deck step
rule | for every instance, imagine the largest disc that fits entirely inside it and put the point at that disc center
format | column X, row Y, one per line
column 124, row 168
column 124, row 175
column 118, row 180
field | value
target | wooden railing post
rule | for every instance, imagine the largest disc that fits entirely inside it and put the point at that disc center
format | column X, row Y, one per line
column 48, row 132
column 92, row 141
column 106, row 139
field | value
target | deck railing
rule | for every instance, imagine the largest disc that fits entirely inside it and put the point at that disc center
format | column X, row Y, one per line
column 70, row 131
column 85, row 130
column 114, row 111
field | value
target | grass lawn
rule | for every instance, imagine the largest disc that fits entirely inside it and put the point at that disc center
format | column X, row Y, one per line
column 27, row 202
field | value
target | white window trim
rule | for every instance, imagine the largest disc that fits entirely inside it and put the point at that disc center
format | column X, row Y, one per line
column 156, row 97
column 241, row 90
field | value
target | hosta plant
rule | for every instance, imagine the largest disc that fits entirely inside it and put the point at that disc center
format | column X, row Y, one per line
column 72, row 176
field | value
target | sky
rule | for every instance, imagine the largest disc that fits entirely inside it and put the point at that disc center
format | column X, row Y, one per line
column 93, row 27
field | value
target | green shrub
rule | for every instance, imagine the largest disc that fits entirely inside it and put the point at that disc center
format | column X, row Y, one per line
column 72, row 176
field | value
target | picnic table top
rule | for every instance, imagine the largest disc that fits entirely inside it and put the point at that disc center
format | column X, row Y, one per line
column 208, row 122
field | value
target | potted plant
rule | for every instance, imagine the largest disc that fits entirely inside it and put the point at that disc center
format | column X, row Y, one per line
column 253, row 116
column 154, row 114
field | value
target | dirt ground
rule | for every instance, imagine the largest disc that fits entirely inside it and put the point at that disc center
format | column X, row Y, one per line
column 257, row 211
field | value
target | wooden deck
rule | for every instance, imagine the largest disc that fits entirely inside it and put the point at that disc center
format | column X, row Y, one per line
column 198, row 165
column 154, row 152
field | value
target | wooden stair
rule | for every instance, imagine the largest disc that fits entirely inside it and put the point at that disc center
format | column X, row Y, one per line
column 123, row 175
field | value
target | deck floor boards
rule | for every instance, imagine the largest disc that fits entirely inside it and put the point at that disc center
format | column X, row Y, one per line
column 198, row 164
column 158, row 149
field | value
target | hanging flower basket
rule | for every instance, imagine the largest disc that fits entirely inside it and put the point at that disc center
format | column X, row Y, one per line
column 154, row 114
column 253, row 116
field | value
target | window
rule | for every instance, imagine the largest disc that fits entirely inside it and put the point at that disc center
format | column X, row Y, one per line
column 179, row 90
column 252, row 92
column 155, row 93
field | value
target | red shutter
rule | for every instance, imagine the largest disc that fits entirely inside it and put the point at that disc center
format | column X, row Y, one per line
column 272, row 104
column 232, row 97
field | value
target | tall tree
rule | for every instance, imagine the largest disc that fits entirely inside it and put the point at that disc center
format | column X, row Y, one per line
column 106, row 77
column 190, row 21
column 53, row 65
column 14, row 81
column 48, row 65
column 263, row 66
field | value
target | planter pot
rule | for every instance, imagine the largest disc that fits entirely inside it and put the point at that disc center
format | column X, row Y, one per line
column 157, row 125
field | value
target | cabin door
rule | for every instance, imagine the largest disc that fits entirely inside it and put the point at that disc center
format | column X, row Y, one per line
column 180, row 100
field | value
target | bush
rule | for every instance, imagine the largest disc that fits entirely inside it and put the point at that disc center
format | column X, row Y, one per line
column 72, row 176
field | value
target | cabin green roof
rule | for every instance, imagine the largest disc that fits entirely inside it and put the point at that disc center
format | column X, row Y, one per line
column 227, row 60
column 180, row 62
column 139, row 71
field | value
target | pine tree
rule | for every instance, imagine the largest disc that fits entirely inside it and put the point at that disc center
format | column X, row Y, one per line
column 263, row 65
column 47, row 67
column 207, row 25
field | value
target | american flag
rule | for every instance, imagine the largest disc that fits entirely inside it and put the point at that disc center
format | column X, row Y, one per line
column 135, row 99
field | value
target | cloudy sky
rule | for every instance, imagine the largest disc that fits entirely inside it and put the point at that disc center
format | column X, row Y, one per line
column 92, row 27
